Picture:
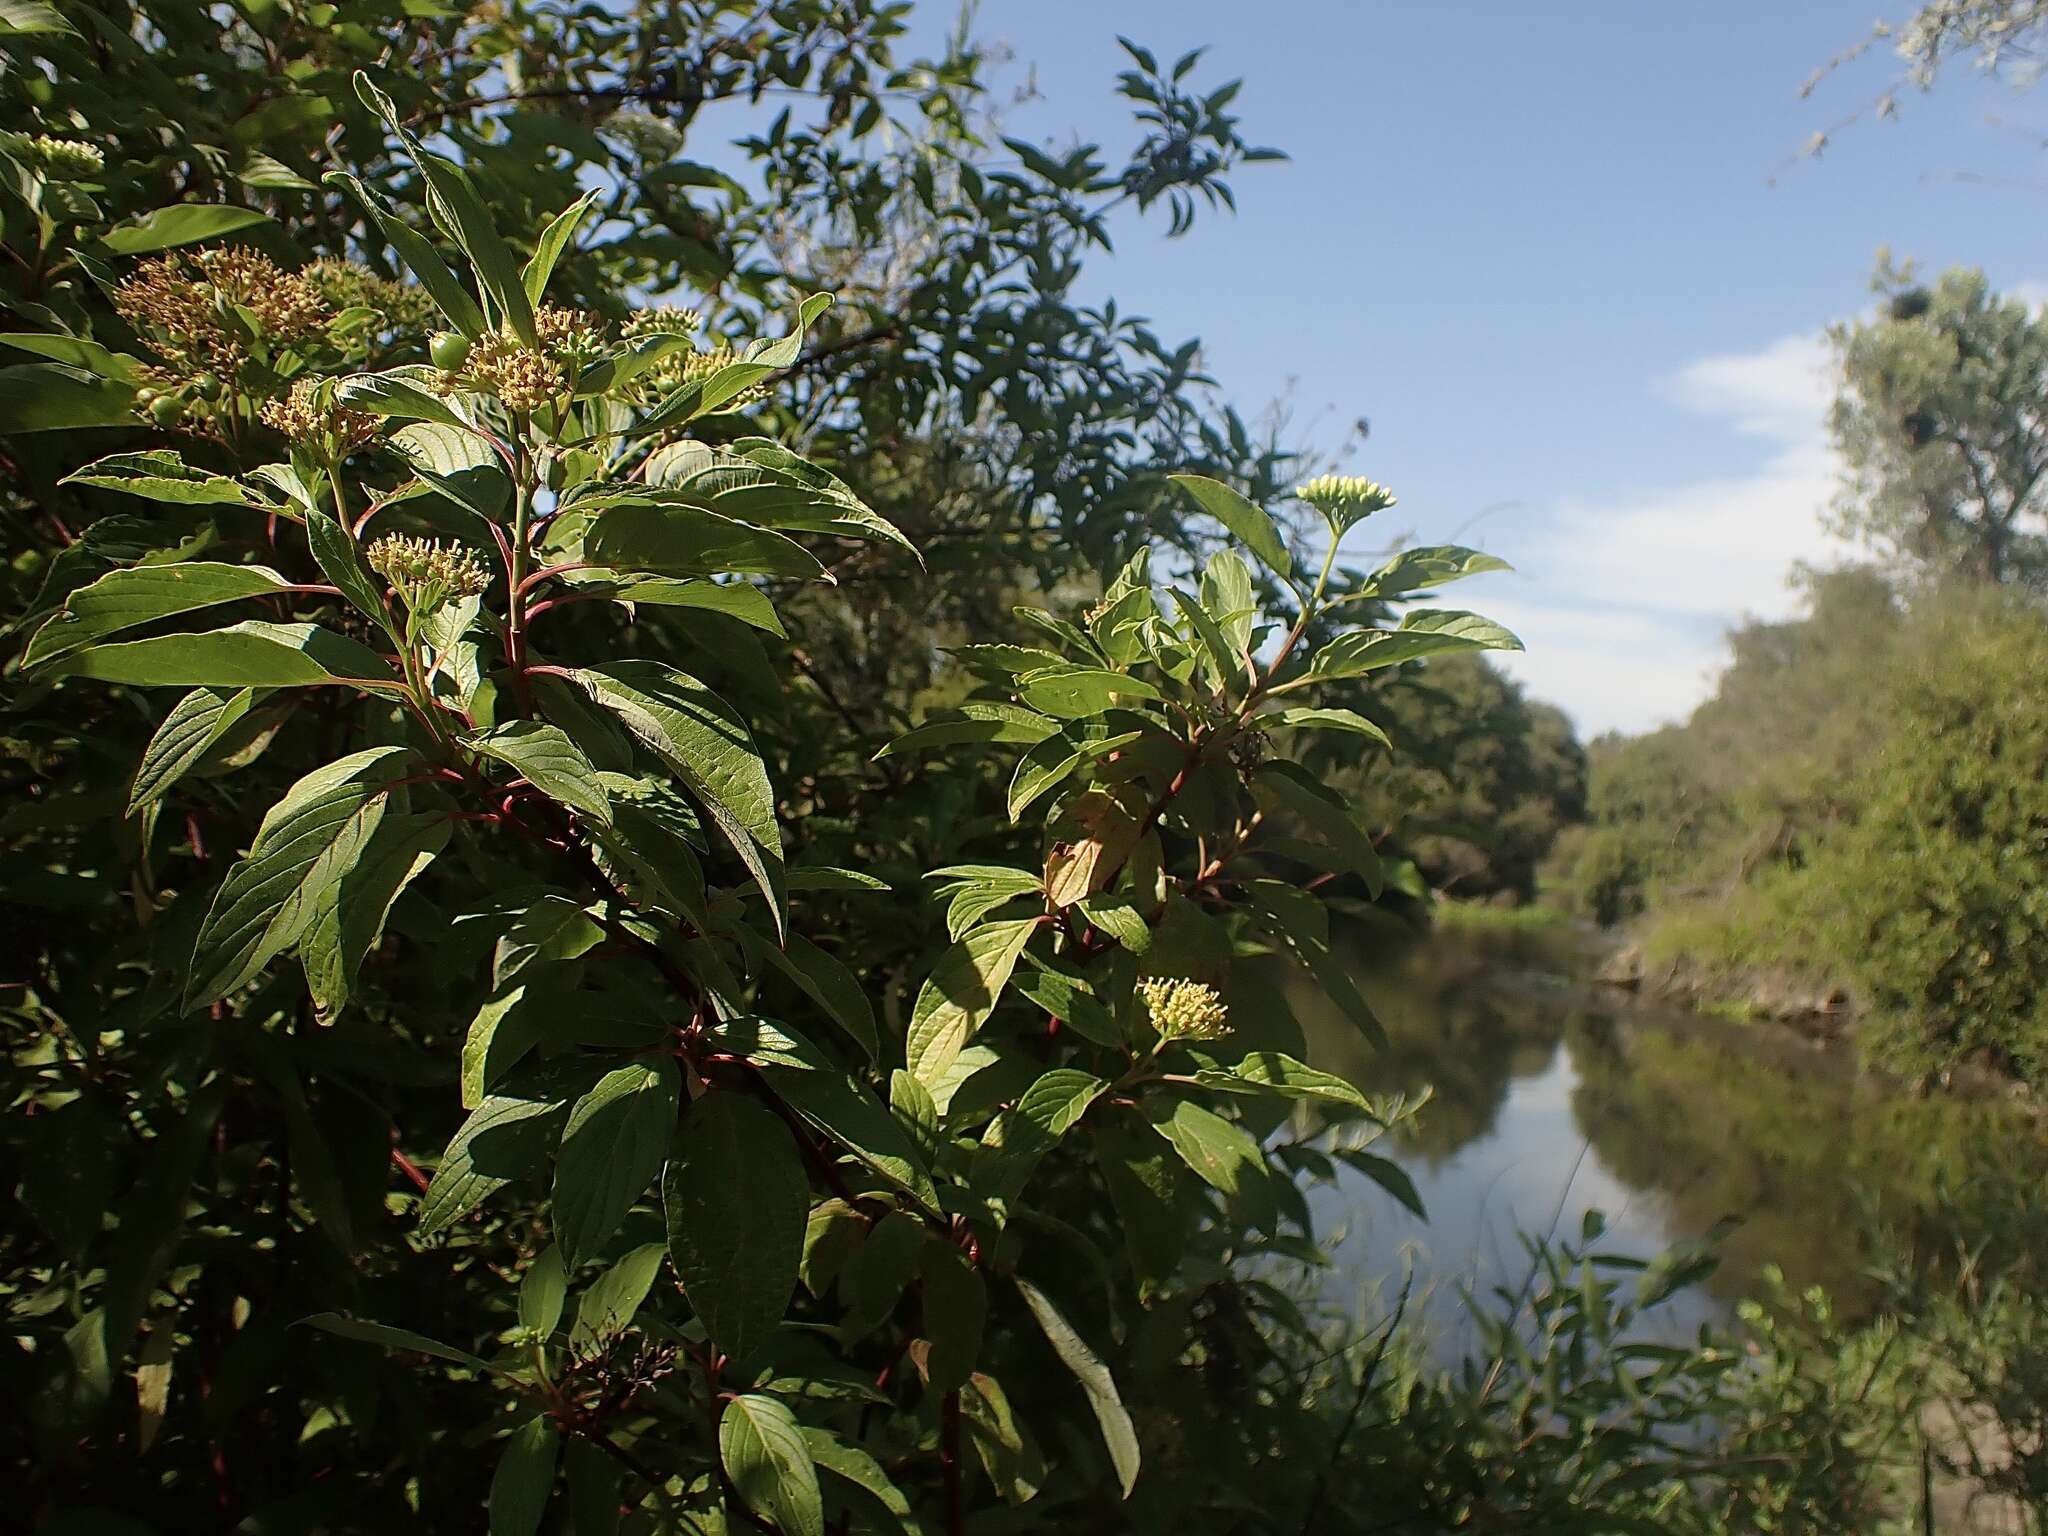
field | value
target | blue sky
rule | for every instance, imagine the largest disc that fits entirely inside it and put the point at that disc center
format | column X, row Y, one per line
column 1567, row 260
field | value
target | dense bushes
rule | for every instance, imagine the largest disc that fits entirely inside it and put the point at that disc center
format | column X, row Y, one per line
column 1860, row 804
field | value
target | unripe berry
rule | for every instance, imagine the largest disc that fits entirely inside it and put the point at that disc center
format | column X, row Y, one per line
column 449, row 350
column 166, row 410
column 207, row 386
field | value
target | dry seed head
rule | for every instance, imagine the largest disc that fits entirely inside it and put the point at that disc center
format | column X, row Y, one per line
column 1185, row 1010
column 180, row 303
column 309, row 417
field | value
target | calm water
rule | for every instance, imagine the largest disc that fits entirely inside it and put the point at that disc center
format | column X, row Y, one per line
column 1555, row 1097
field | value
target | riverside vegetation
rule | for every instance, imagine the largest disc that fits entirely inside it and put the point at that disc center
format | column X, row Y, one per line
column 540, row 999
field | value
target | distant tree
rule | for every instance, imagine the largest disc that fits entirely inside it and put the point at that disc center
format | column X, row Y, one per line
column 1941, row 424
column 1484, row 779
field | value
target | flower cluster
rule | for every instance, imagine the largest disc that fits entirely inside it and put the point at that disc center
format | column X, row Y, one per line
column 190, row 307
column 311, row 418
column 425, row 573
column 63, row 159
column 1185, row 1010
column 670, row 373
column 521, row 378
column 662, row 320
column 527, row 379
column 346, row 285
column 1345, row 499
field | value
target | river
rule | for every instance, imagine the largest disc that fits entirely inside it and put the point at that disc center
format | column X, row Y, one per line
column 1554, row 1096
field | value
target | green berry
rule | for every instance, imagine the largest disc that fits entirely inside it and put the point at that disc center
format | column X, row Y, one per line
column 448, row 349
column 166, row 410
column 207, row 386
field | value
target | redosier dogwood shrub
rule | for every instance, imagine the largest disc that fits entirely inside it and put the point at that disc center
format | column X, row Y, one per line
column 512, row 1085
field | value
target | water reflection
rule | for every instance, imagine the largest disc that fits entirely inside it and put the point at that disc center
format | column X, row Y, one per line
column 1554, row 1097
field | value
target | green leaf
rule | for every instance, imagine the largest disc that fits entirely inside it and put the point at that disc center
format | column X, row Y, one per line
column 857, row 1467
column 553, row 241
column 251, row 654
column 1051, row 760
column 159, row 474
column 770, row 1467
column 77, row 352
column 341, row 561
column 1020, row 1137
column 309, row 839
column 391, row 1338
column 1221, row 1154
column 1229, row 597
column 952, row 1314
column 1068, row 997
column 1423, row 632
column 1222, row 662
column 181, row 224
column 978, row 723
column 525, row 1478
column 349, row 911
column 1117, row 1432
column 51, row 397
column 826, row 981
column 188, row 732
column 447, row 290
column 707, row 745
column 1007, row 1452
column 31, row 16
column 1144, row 1178
column 763, row 358
column 972, row 891
column 759, row 481
column 1413, row 570
column 141, row 594
column 854, row 1118
column 400, row 394
column 737, row 1198
column 456, row 462
column 612, row 1148
column 671, row 538
column 735, row 599
column 1324, row 720
column 542, row 1291
column 611, row 1302
column 506, row 1138
column 1389, row 1175
column 1254, row 528
column 1274, row 1072
column 267, row 172
column 549, row 761
column 827, row 877
column 1292, row 788
column 961, row 993
column 1080, row 693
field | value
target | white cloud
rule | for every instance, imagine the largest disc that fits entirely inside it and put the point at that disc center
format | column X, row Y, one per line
column 1624, row 604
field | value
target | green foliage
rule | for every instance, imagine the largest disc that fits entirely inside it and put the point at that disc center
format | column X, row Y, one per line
column 524, row 892
column 1858, row 805
column 1934, row 422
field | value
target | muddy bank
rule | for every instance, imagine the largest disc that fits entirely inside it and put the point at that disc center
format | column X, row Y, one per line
column 1822, row 1011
